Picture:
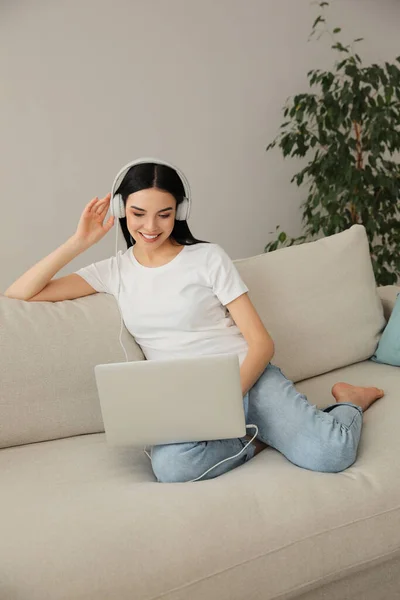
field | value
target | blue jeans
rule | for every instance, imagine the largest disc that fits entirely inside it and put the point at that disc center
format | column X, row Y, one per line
column 319, row 440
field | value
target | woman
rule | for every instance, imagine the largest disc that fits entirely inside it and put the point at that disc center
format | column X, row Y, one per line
column 180, row 296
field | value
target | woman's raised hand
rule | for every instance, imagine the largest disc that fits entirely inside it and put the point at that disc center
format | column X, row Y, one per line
column 91, row 227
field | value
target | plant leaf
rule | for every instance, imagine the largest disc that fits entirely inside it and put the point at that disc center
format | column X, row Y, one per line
column 318, row 20
column 282, row 237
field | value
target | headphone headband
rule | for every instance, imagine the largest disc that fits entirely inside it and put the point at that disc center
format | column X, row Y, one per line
column 117, row 207
column 140, row 161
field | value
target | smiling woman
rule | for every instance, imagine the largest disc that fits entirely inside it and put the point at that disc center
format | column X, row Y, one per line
column 180, row 297
column 152, row 193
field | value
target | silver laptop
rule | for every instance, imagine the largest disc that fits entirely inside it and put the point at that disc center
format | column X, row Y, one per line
column 150, row 402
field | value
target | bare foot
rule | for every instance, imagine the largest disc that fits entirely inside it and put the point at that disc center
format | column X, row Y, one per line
column 257, row 443
column 361, row 396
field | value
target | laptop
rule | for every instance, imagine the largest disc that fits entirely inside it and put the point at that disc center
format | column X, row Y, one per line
column 151, row 402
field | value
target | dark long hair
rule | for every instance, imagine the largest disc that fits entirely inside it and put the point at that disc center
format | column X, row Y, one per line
column 153, row 175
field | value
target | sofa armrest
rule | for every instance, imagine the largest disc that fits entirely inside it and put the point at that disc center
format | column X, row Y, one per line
column 388, row 295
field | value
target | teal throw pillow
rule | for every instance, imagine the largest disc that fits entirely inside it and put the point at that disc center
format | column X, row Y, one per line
column 388, row 350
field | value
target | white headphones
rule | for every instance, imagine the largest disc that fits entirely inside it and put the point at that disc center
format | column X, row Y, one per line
column 117, row 207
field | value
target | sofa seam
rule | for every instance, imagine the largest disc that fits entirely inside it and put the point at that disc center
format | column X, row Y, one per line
column 187, row 585
column 332, row 576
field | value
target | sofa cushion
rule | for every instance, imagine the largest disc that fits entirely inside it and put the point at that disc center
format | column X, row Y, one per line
column 388, row 350
column 319, row 301
column 83, row 521
column 388, row 295
column 48, row 351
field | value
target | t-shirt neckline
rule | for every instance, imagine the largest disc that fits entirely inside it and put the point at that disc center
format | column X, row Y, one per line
column 138, row 264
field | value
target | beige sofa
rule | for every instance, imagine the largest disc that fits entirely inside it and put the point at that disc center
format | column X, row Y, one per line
column 82, row 521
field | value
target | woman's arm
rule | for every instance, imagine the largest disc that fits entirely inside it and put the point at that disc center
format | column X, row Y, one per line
column 38, row 277
column 253, row 366
column 260, row 343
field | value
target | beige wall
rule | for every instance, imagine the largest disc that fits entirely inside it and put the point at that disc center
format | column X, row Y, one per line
column 88, row 85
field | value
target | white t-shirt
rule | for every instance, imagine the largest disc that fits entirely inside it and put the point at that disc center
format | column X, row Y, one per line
column 178, row 309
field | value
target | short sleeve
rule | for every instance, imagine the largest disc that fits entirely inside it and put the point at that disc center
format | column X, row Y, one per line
column 224, row 277
column 102, row 275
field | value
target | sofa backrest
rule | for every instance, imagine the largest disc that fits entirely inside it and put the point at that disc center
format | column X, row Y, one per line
column 319, row 302
column 47, row 356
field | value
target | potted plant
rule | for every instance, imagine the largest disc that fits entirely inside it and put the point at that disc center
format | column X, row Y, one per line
column 348, row 125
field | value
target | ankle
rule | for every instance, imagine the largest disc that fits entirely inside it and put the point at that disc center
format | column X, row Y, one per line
column 258, row 444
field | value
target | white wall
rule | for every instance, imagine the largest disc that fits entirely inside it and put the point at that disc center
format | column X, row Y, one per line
column 88, row 85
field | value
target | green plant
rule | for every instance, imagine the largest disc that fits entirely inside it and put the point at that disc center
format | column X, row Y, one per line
column 351, row 126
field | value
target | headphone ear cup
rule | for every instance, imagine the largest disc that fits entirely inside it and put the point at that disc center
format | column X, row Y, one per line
column 182, row 212
column 117, row 207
